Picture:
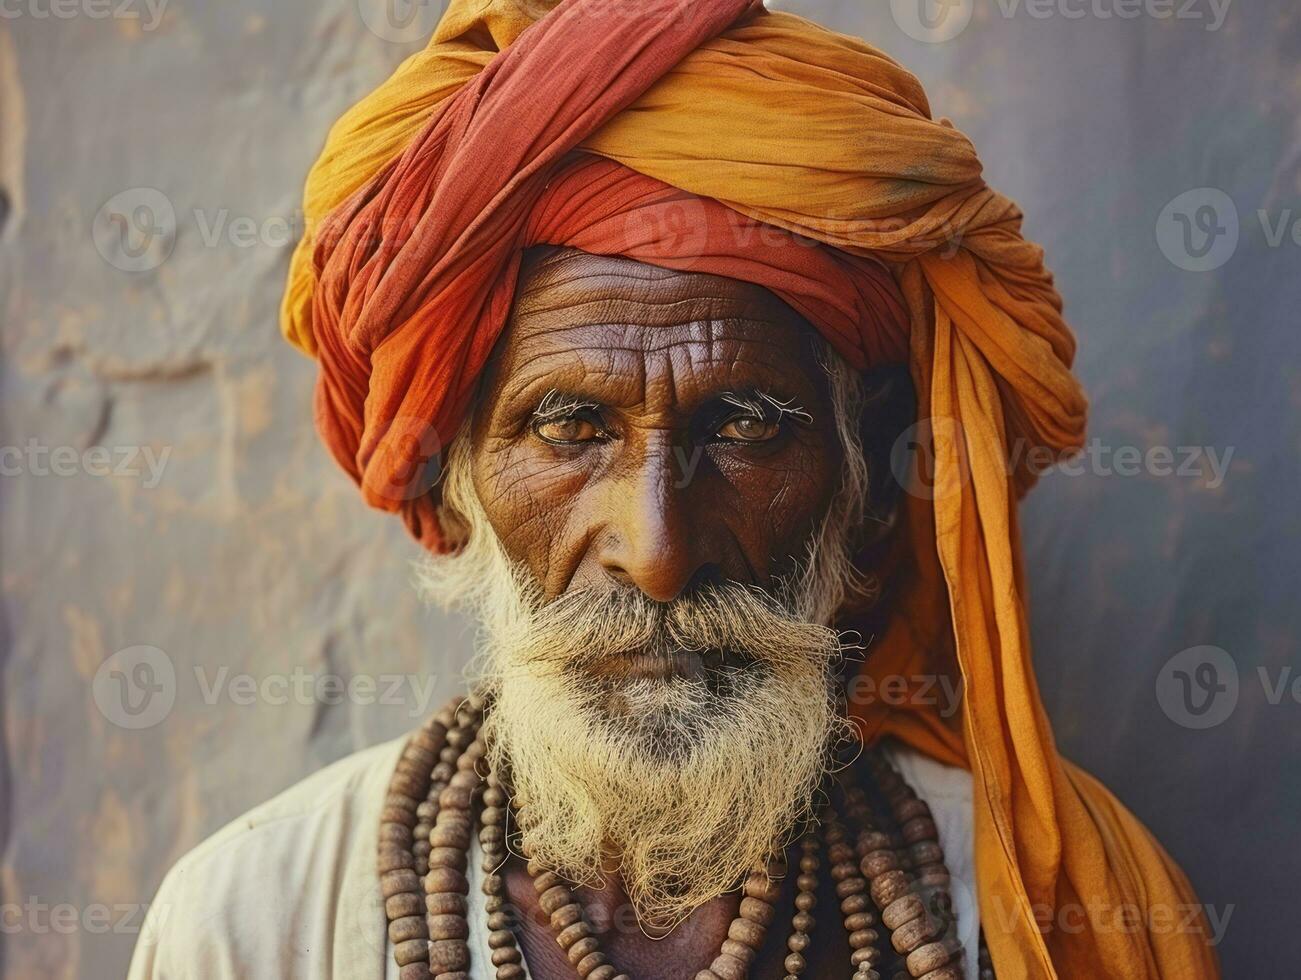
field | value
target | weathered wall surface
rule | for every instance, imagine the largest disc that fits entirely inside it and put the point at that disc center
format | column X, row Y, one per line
column 181, row 608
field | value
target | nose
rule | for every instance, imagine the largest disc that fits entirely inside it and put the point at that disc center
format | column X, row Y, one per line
column 652, row 541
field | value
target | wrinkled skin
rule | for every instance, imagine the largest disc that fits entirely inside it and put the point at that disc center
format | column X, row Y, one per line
column 658, row 483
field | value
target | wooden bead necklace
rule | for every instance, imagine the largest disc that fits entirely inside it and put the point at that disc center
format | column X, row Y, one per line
column 883, row 853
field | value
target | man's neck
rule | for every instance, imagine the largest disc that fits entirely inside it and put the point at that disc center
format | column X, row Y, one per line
column 687, row 949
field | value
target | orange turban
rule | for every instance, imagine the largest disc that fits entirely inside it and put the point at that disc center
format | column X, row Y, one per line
column 719, row 137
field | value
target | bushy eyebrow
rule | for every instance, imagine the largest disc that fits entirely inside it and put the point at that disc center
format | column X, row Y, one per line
column 766, row 406
column 556, row 404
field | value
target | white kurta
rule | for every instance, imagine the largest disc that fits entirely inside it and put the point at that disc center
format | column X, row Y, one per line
column 289, row 890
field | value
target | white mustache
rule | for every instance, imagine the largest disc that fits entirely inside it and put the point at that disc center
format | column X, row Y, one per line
column 589, row 626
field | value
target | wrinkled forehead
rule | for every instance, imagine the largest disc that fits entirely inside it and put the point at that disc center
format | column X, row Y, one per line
column 571, row 303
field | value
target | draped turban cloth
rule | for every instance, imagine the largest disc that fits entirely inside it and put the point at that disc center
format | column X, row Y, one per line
column 714, row 136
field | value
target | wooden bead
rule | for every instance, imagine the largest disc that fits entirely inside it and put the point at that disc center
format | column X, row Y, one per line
column 926, row 852
column 903, row 909
column 930, row 957
column 442, row 927
column 860, row 920
column 730, row 968
column 737, row 950
column 418, row 970
column 456, row 797
column 500, row 939
column 949, row 972
column 918, row 829
column 395, row 882
column 407, row 927
column 603, row 972
column 411, row 951
column 511, row 971
column 448, row 956
column 757, row 910
column 878, row 863
column 873, row 840
column 554, row 898
column 913, row 934
column 806, row 901
column 794, row 963
column 590, row 962
column 450, row 834
column 863, row 937
column 888, row 887
column 759, row 885
column 852, row 886
column 855, row 903
column 798, row 942
column 580, row 947
column 396, row 833
column 394, row 858
column 566, row 916
column 447, row 857
column 803, row 922
column 445, row 880
column 870, row 955
column 706, row 975
column 748, row 933
column 546, row 881
column 503, row 955
column 445, row 903
column 572, row 933
column 403, row 904
column 911, row 808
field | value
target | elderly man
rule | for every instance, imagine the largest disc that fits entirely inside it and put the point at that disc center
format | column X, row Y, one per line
column 623, row 308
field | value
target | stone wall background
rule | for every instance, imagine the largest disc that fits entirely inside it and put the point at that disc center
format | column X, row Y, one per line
column 249, row 554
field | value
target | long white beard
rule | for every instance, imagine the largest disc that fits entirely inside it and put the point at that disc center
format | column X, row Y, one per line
column 678, row 784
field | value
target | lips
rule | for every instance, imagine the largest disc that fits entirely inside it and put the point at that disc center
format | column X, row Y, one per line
column 663, row 665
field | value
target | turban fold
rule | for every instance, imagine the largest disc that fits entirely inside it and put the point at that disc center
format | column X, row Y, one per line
column 719, row 137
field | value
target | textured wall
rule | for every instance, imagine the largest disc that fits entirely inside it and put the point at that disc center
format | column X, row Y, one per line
column 211, row 537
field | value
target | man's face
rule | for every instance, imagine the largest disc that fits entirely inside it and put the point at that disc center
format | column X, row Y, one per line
column 646, row 428
column 658, row 506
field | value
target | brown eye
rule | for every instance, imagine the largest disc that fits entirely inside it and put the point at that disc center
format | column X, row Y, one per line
column 749, row 428
column 567, row 430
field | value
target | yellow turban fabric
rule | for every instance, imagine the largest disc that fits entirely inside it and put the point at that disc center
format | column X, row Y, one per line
column 826, row 137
